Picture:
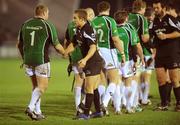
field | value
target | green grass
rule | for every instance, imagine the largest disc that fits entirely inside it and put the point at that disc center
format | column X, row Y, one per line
column 58, row 102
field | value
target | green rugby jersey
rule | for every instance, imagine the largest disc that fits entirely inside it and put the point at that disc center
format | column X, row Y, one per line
column 106, row 28
column 129, row 37
column 141, row 25
column 35, row 37
column 70, row 32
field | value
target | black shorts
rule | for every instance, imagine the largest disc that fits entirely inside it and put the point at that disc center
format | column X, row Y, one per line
column 93, row 68
column 167, row 64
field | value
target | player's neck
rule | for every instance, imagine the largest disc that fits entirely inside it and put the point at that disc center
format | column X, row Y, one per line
column 39, row 16
column 104, row 13
column 82, row 24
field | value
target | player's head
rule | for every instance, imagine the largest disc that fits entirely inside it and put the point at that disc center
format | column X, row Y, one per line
column 171, row 9
column 139, row 6
column 90, row 14
column 149, row 14
column 80, row 17
column 159, row 7
column 103, row 7
column 42, row 11
column 121, row 16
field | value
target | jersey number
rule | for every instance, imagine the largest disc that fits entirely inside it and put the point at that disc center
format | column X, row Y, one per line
column 32, row 37
column 100, row 33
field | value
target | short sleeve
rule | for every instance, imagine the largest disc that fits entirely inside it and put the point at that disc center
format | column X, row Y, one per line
column 53, row 33
column 114, row 28
column 90, row 36
column 143, row 25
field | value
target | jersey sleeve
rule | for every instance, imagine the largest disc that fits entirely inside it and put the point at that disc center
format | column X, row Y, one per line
column 20, row 42
column 53, row 34
column 173, row 24
column 114, row 28
column 143, row 25
column 90, row 36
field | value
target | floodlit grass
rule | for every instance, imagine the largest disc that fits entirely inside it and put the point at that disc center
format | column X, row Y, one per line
column 58, row 102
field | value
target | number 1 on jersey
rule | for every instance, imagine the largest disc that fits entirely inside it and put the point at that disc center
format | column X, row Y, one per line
column 32, row 37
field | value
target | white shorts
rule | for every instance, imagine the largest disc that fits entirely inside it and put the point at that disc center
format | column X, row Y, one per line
column 110, row 58
column 76, row 70
column 151, row 66
column 42, row 70
column 127, row 69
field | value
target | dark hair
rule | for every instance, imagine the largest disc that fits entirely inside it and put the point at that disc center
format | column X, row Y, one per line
column 103, row 6
column 163, row 3
column 138, row 5
column 82, row 14
column 149, row 11
column 40, row 9
column 120, row 16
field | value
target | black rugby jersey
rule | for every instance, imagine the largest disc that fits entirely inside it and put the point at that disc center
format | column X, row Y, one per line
column 168, row 47
column 84, row 38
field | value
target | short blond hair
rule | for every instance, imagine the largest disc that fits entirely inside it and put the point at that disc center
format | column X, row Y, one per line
column 40, row 9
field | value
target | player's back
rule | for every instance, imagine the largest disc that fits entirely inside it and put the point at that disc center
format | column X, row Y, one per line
column 139, row 22
column 105, row 27
column 34, row 36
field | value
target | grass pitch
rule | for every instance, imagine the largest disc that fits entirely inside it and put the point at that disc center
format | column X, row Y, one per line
column 58, row 101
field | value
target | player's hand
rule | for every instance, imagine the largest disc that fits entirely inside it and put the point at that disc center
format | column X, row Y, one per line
column 65, row 55
column 82, row 63
column 161, row 36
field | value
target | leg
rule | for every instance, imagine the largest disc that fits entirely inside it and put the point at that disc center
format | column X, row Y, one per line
column 174, row 77
column 161, row 75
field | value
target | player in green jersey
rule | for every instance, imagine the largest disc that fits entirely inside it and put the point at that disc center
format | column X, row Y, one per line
column 130, row 39
column 137, row 19
column 35, row 37
column 108, row 40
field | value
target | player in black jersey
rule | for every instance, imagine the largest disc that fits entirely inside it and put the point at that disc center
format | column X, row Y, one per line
column 165, row 36
column 91, row 62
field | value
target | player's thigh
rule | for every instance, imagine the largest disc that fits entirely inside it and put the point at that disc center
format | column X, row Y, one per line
column 113, row 75
column 34, row 81
column 78, row 80
column 174, row 75
column 161, row 75
column 103, row 80
column 42, row 73
column 91, row 83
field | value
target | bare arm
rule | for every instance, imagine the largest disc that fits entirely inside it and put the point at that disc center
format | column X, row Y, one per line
column 69, row 49
column 60, row 49
column 172, row 35
column 119, row 45
column 140, row 53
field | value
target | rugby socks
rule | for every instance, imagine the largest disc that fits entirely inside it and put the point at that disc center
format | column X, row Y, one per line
column 77, row 93
column 122, row 91
column 168, row 89
column 101, row 89
column 163, row 95
column 38, row 106
column 146, row 93
column 134, row 91
column 109, row 92
column 97, row 100
column 177, row 95
column 88, row 102
column 36, row 94
column 141, row 88
column 128, row 93
column 117, row 98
